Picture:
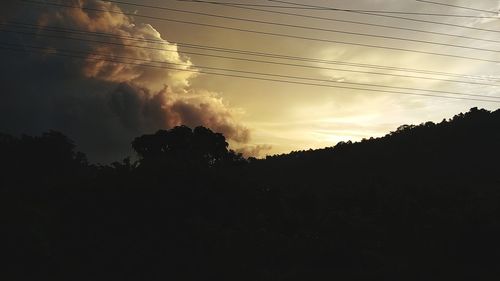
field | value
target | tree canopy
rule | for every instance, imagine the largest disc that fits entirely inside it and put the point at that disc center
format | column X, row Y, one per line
column 194, row 147
column 421, row 203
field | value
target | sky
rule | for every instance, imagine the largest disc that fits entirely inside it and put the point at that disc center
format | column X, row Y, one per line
column 103, row 91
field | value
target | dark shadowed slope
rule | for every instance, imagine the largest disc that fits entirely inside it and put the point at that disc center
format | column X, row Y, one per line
column 422, row 203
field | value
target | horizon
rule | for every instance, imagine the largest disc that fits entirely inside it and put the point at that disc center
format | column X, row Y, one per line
column 272, row 80
column 134, row 154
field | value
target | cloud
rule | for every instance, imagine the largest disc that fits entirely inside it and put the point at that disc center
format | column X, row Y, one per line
column 254, row 150
column 103, row 101
column 141, row 110
column 136, row 44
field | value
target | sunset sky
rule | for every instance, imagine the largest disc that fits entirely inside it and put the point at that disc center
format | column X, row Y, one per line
column 52, row 82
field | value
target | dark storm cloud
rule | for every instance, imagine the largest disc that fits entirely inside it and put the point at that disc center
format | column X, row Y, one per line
column 136, row 109
column 102, row 105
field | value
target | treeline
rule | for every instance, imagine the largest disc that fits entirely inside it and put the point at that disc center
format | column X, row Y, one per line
column 421, row 203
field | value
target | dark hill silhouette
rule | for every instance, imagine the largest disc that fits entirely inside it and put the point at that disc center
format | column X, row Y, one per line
column 422, row 203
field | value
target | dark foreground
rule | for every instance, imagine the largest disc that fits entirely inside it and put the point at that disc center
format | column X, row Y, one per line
column 422, row 203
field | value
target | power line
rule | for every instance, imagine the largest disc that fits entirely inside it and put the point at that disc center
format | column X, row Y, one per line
column 273, row 75
column 350, row 21
column 242, row 52
column 323, row 9
column 310, row 28
column 51, row 52
column 457, row 6
column 394, row 17
column 251, row 60
column 236, row 4
column 268, row 33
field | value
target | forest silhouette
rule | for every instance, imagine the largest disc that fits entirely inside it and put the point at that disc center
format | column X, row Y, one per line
column 421, row 203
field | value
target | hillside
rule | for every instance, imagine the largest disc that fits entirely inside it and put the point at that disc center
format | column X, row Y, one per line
column 421, row 203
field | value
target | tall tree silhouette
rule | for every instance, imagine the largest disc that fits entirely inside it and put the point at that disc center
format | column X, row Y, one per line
column 184, row 147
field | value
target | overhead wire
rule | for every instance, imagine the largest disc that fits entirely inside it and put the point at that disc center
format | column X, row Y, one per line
column 311, row 28
column 323, row 9
column 394, row 17
column 458, row 6
column 268, row 33
column 348, row 21
column 224, row 57
column 307, row 27
column 291, row 77
column 281, row 76
column 254, row 53
column 52, row 52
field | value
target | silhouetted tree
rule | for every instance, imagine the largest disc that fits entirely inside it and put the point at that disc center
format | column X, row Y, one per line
column 184, row 147
column 421, row 203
